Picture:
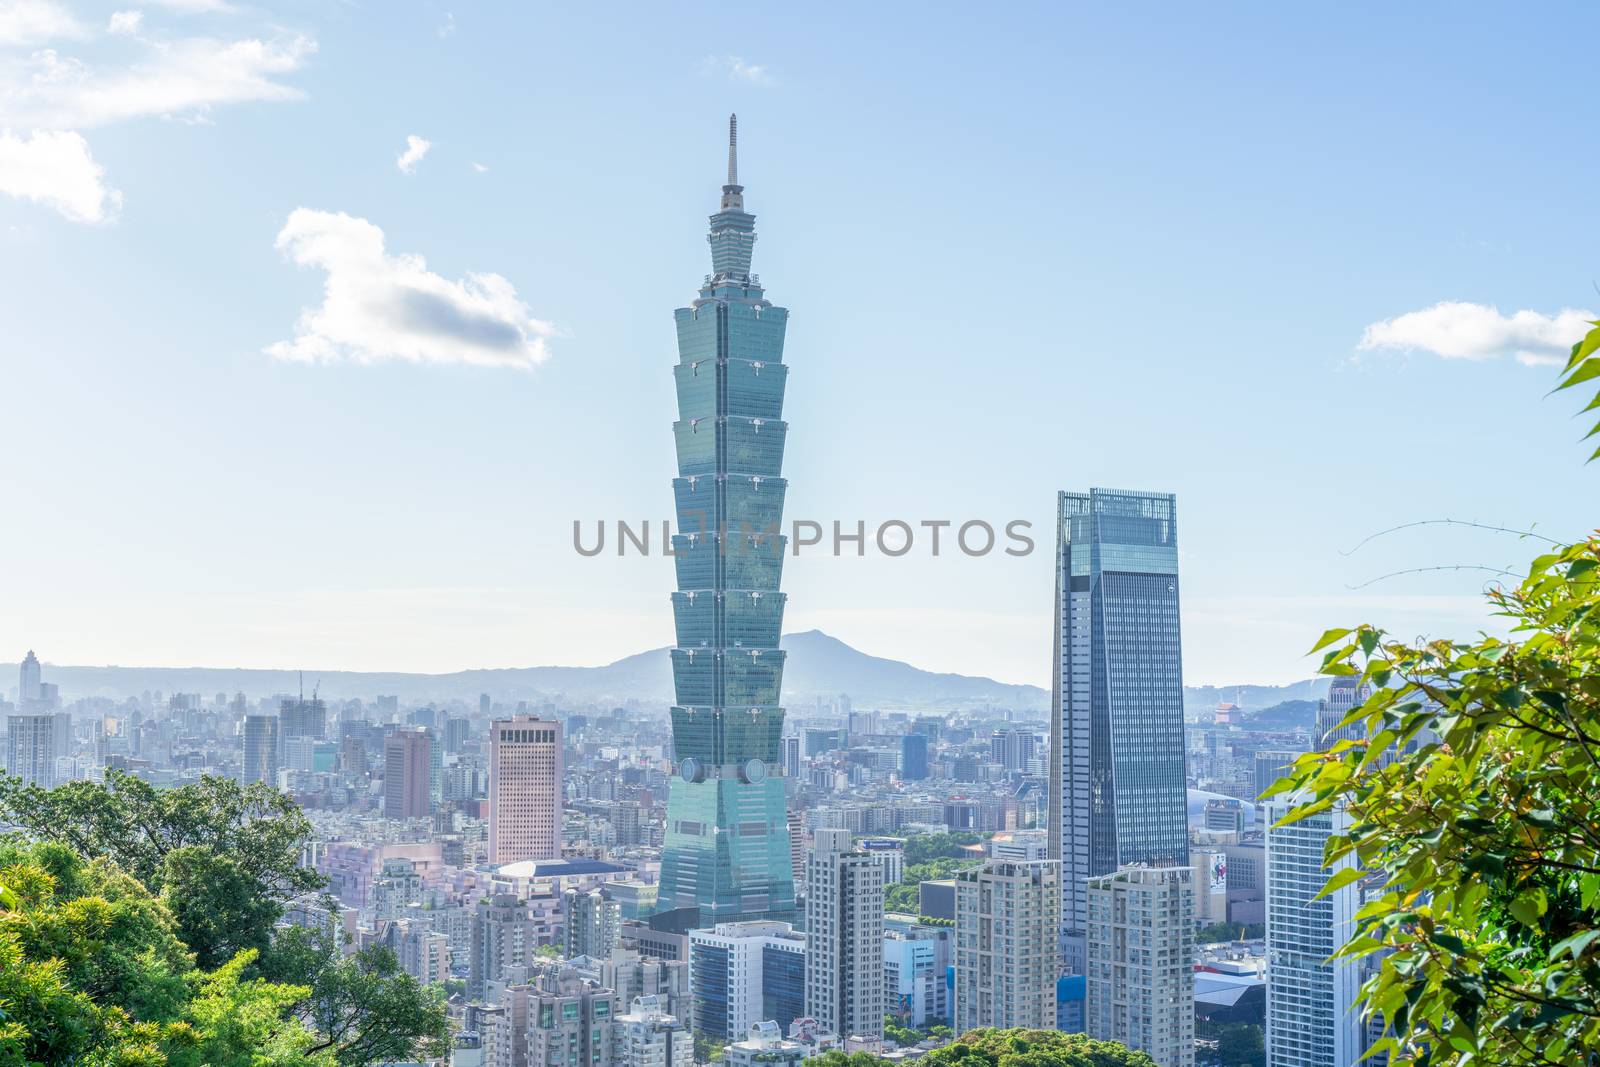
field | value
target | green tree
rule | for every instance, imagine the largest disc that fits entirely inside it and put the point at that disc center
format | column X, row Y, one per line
column 92, row 973
column 900, row 1035
column 245, row 839
column 218, row 904
column 1476, row 795
column 924, row 848
column 902, row 896
column 836, row 1058
column 237, row 1023
column 1217, row 932
column 362, row 1007
column 1241, row 1045
column 706, row 1050
column 1033, row 1048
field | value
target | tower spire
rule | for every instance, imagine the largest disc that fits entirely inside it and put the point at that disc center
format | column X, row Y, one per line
column 733, row 149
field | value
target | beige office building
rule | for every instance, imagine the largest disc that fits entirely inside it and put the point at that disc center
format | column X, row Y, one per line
column 524, row 790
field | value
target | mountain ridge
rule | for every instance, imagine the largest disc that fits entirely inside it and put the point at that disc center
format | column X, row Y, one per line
column 819, row 666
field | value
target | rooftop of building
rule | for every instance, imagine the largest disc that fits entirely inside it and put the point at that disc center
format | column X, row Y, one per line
column 562, row 868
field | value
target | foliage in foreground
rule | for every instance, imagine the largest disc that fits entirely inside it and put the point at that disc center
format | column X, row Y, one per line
column 160, row 922
column 91, row 972
column 1476, row 793
column 223, row 855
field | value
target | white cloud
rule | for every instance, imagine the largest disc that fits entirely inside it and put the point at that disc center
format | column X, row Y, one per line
column 195, row 7
column 33, row 21
column 125, row 22
column 480, row 168
column 1455, row 329
column 378, row 306
column 737, row 70
column 183, row 78
column 57, row 169
column 416, row 148
column 448, row 26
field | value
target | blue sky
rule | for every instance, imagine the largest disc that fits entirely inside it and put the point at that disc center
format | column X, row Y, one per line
column 1025, row 248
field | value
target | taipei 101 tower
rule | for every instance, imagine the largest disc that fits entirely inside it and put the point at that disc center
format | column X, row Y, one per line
column 726, row 851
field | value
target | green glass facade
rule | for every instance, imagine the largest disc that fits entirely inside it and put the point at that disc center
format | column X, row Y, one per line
column 726, row 853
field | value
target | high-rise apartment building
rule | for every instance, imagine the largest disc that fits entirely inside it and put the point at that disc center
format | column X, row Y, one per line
column 1312, row 1016
column 504, row 935
column 1007, row 915
column 303, row 718
column 627, row 822
column 570, row 1020
column 844, row 937
column 797, row 848
column 29, row 694
column 525, row 769
column 456, row 732
column 421, row 951
column 650, row 1036
column 1012, row 749
column 65, row 742
column 406, row 757
column 1117, row 756
column 31, row 748
column 633, row 974
column 1140, row 947
column 745, row 972
column 593, row 923
column 726, row 846
column 261, row 746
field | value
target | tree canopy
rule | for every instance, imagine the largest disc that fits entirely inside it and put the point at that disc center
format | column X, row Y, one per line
column 1475, row 794
column 142, row 927
column 1009, row 1048
column 92, row 972
column 224, row 855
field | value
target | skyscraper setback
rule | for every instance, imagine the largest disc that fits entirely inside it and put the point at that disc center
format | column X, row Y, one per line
column 726, row 848
column 1117, row 758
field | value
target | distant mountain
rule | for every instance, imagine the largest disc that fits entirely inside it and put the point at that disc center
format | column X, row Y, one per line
column 818, row 666
column 1289, row 715
column 1205, row 697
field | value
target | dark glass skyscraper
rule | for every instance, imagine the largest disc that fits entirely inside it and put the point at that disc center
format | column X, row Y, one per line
column 726, row 854
column 1117, row 769
column 913, row 758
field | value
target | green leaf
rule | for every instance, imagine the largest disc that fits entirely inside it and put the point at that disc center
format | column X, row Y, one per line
column 1529, row 906
column 1329, row 637
column 1340, row 880
column 1584, row 348
column 1590, row 369
column 1574, row 946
